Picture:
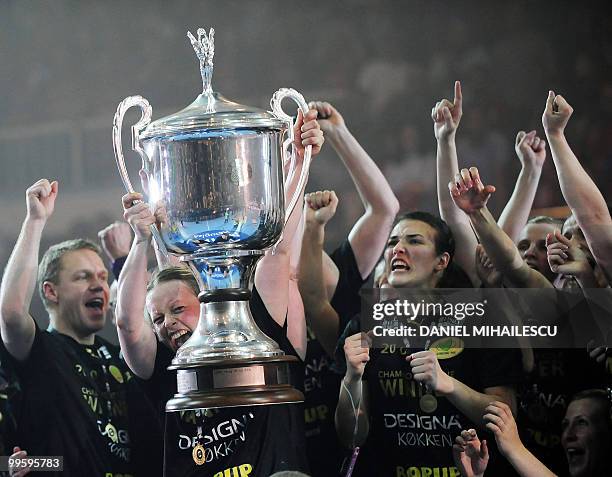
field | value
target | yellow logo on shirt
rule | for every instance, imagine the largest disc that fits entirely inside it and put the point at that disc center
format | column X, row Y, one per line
column 116, row 373
column 446, row 348
column 243, row 470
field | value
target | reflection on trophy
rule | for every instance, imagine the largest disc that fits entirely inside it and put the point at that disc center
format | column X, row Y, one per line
column 217, row 168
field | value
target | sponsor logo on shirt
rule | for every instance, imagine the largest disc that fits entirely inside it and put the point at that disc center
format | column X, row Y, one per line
column 446, row 348
column 210, row 444
column 243, row 470
column 316, row 413
column 427, row 472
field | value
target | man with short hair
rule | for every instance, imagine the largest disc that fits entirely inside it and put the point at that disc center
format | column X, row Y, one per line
column 75, row 385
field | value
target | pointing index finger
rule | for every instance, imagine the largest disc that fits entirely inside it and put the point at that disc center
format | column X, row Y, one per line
column 458, row 95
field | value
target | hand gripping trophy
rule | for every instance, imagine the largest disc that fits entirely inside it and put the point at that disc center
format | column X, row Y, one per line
column 217, row 168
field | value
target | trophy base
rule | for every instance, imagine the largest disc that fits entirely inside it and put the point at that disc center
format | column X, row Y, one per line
column 236, row 382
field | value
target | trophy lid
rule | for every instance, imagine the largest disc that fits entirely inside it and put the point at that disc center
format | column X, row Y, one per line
column 210, row 110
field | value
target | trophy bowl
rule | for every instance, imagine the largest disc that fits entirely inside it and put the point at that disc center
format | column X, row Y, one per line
column 218, row 170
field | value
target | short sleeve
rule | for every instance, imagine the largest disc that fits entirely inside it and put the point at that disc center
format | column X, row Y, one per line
column 161, row 386
column 37, row 365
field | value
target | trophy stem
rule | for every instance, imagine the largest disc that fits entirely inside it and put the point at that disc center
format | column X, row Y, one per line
column 229, row 361
column 226, row 330
column 224, row 272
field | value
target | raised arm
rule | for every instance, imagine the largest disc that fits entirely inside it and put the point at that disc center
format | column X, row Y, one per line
column 531, row 151
column 369, row 234
column 446, row 117
column 580, row 192
column 296, row 317
column 272, row 276
column 322, row 318
column 487, row 273
column 501, row 423
column 471, row 196
column 19, row 281
column 137, row 339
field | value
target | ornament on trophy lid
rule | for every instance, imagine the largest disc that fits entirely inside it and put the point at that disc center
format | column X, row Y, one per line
column 204, row 47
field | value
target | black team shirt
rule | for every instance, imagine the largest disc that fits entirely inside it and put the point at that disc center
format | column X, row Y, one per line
column 412, row 435
column 74, row 403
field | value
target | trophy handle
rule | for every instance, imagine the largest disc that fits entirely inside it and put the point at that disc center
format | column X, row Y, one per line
column 277, row 109
column 137, row 129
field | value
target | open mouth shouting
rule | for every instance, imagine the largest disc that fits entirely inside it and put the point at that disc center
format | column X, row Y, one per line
column 575, row 456
column 399, row 265
column 96, row 304
column 179, row 337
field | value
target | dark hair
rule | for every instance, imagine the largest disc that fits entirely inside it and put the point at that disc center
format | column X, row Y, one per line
column 50, row 264
column 604, row 398
column 445, row 242
column 454, row 276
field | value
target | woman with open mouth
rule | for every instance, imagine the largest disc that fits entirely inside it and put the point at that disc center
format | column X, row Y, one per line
column 403, row 404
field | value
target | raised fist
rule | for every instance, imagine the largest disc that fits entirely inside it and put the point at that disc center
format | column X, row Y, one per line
column 468, row 192
column 329, row 118
column 530, row 149
column 320, row 206
column 40, row 199
column 446, row 115
column 116, row 240
column 357, row 355
column 556, row 114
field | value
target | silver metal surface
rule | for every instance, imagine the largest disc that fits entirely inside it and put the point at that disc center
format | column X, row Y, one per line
column 212, row 110
column 145, row 119
column 220, row 190
column 226, row 330
column 214, row 173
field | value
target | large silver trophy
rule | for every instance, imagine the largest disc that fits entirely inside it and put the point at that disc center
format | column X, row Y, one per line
column 219, row 170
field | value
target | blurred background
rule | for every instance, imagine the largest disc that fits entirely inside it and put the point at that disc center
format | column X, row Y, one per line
column 66, row 65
